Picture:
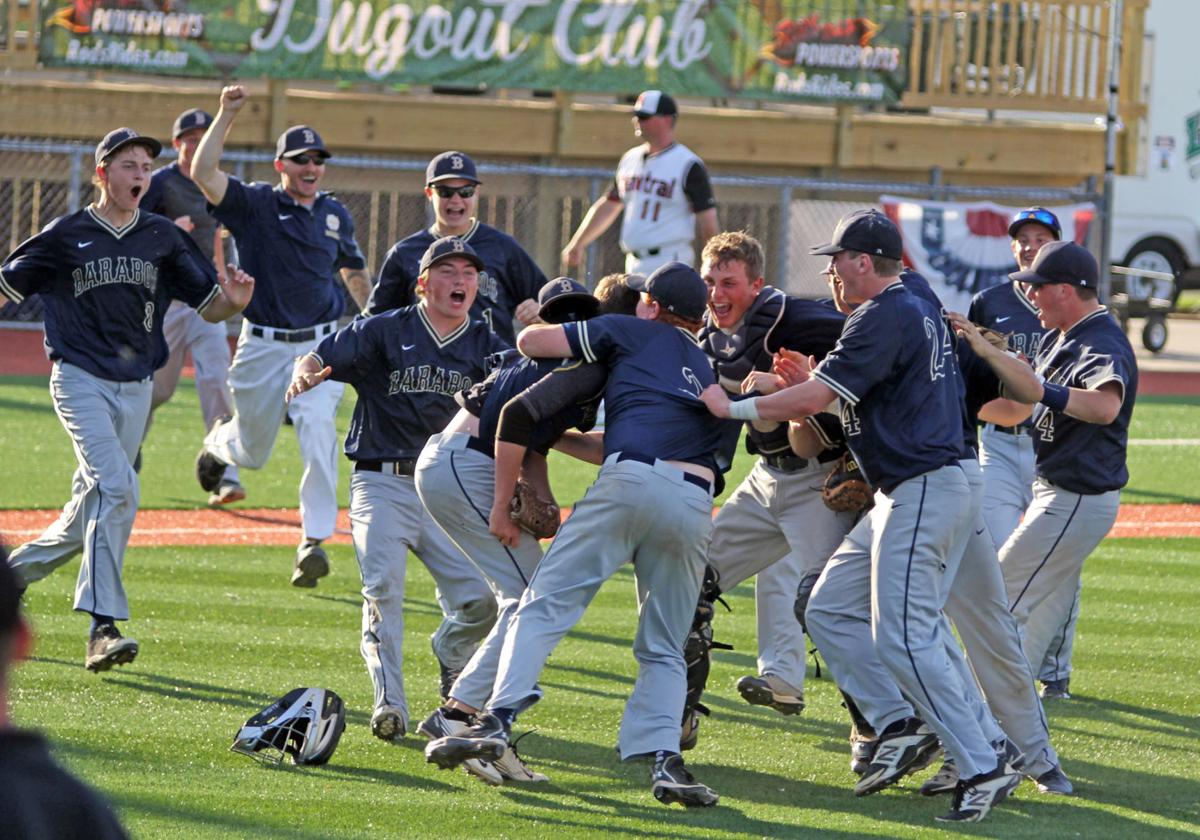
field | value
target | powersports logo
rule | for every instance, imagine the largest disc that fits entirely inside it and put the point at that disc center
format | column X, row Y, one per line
column 808, row 42
column 126, row 18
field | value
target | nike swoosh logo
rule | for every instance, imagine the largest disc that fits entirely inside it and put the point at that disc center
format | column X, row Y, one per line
column 1002, row 320
column 84, row 244
column 284, row 218
column 980, row 531
column 407, row 346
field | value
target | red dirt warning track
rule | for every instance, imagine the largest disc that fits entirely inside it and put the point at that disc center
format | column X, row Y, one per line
column 259, row 526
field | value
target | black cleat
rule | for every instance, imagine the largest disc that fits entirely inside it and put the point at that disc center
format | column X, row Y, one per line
column 974, row 797
column 107, row 647
column 904, row 747
column 487, row 739
column 671, row 783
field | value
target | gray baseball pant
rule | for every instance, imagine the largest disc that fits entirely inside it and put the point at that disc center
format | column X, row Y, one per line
column 1043, row 559
column 456, row 485
column 776, row 526
column 105, row 421
column 916, row 534
column 645, row 513
column 387, row 520
column 1009, row 469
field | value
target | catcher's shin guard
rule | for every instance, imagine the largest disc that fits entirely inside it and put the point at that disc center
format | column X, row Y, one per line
column 696, row 650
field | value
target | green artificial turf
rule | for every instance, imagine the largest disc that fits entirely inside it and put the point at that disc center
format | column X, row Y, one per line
column 222, row 634
column 39, row 460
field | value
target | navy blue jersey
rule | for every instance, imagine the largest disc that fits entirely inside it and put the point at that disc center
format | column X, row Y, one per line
column 509, row 276
column 773, row 321
column 1006, row 310
column 980, row 381
column 173, row 194
column 106, row 290
column 406, row 376
column 292, row 251
column 517, row 373
column 652, row 401
column 900, row 388
column 1078, row 456
column 919, row 286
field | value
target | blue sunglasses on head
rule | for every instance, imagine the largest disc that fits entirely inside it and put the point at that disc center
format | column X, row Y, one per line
column 1036, row 214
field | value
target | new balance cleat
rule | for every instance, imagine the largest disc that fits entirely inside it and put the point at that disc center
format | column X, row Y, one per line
column 671, row 783
column 312, row 563
column 975, row 797
column 770, row 690
column 904, row 747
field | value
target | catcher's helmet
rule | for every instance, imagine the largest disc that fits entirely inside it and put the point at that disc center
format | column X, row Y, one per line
column 305, row 723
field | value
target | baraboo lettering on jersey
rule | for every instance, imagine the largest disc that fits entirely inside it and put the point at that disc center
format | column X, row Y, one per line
column 427, row 378
column 106, row 270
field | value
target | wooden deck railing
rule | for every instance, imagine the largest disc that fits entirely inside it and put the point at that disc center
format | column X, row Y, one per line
column 1032, row 55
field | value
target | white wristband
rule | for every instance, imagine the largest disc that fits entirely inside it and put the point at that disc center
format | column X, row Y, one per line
column 744, row 409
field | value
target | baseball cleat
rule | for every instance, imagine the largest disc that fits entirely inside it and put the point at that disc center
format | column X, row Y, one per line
column 312, row 563
column 437, row 725
column 228, row 491
column 1056, row 689
column 487, row 740
column 209, row 471
column 862, row 750
column 513, row 769
column 387, row 724
column 945, row 780
column 904, row 747
column 974, row 797
column 671, row 783
column 107, row 647
column 1055, row 781
column 770, row 690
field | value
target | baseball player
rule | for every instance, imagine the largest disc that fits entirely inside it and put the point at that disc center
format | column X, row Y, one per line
column 293, row 238
column 510, row 279
column 173, row 194
column 1082, row 386
column 406, row 365
column 773, row 525
column 898, row 382
column 1006, row 452
column 664, row 190
column 107, row 274
column 466, row 476
column 651, row 503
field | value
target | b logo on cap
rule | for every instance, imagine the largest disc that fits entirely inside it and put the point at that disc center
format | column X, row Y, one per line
column 309, row 137
column 456, row 162
column 564, row 286
column 457, row 245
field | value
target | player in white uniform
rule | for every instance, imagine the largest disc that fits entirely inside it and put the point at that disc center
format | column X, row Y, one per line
column 663, row 188
column 296, row 237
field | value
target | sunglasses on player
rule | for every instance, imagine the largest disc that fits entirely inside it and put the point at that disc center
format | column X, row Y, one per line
column 461, row 192
column 305, row 160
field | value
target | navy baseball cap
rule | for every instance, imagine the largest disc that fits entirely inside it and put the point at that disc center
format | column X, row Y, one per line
column 449, row 166
column 1038, row 215
column 1061, row 262
column 189, row 119
column 119, row 138
column 300, row 139
column 563, row 299
column 866, row 231
column 446, row 247
column 677, row 288
column 655, row 103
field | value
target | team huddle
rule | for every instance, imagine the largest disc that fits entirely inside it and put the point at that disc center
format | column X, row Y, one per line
column 468, row 365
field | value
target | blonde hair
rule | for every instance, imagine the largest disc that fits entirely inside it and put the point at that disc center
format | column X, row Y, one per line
column 739, row 245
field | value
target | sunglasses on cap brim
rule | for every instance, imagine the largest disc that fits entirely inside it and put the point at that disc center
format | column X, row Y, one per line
column 305, row 159
column 1042, row 217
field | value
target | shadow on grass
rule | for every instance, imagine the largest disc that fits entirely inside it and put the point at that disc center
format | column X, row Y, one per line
column 1092, row 710
column 21, row 405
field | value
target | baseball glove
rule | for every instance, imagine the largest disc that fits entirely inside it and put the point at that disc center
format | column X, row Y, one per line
column 844, row 489
column 998, row 340
column 533, row 514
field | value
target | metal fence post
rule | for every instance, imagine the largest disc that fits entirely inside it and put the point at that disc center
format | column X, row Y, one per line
column 785, row 234
column 75, row 179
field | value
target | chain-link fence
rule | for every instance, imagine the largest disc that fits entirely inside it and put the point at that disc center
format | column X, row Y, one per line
column 539, row 205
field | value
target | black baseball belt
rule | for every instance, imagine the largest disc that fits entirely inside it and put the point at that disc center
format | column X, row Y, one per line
column 789, row 462
column 294, row 336
column 405, row 466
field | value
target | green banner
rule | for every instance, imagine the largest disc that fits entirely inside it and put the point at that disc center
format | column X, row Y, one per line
column 820, row 50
